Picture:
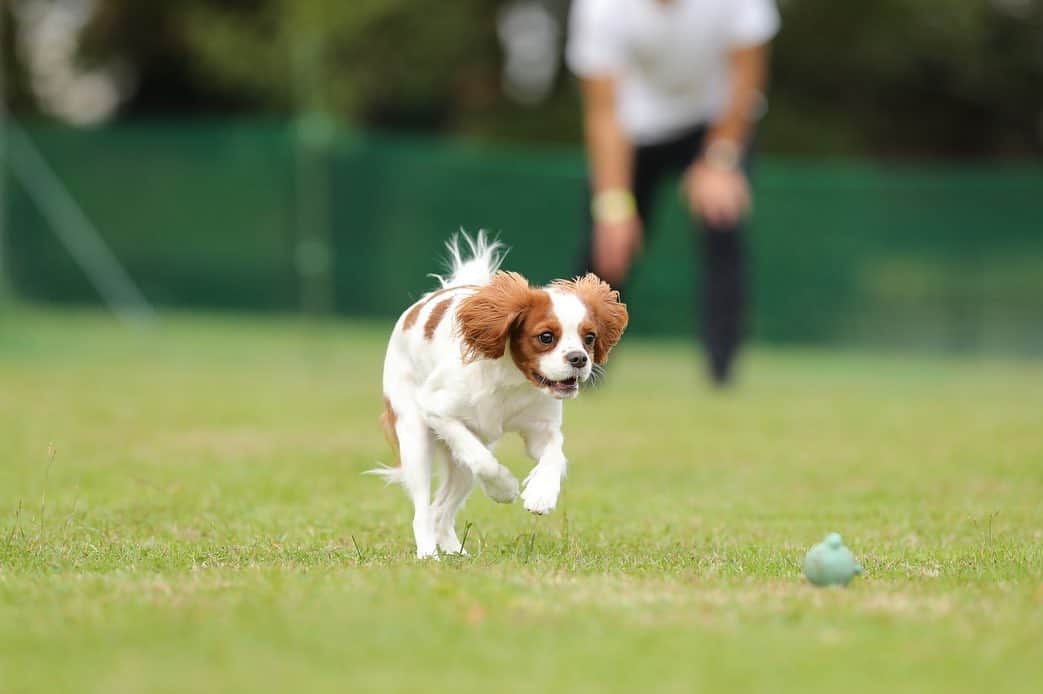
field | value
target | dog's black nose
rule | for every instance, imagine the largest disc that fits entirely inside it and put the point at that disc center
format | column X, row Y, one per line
column 577, row 359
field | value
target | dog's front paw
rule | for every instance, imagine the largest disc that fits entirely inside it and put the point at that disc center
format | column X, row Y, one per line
column 541, row 493
column 501, row 487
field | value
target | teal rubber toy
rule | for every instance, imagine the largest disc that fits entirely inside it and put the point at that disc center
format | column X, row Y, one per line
column 830, row 563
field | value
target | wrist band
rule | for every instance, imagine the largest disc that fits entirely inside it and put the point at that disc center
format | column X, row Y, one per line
column 613, row 205
column 722, row 154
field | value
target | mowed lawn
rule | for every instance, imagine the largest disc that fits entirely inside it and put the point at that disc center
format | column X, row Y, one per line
column 181, row 509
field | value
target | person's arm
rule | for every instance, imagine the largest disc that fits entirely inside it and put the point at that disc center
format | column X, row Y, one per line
column 715, row 185
column 608, row 147
column 749, row 68
column 617, row 229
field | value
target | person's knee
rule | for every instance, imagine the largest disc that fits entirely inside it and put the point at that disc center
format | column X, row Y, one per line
column 723, row 245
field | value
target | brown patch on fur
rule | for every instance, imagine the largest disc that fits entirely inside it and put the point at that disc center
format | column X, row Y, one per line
column 608, row 315
column 526, row 348
column 587, row 326
column 414, row 312
column 387, row 421
column 436, row 317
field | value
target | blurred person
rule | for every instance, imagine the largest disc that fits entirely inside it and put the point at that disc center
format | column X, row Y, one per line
column 673, row 87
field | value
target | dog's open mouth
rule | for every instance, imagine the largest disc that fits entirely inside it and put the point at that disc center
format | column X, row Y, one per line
column 565, row 387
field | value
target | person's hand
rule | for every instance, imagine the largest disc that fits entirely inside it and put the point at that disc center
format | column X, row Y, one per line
column 721, row 196
column 615, row 245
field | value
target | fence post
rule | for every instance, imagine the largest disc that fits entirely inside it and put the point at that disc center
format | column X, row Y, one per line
column 312, row 131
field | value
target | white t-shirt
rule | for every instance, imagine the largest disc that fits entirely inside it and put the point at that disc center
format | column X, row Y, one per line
column 670, row 59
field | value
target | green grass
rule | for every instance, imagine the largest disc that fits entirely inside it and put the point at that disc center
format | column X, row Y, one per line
column 202, row 524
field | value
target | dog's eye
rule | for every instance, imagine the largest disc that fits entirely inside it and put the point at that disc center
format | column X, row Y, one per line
column 546, row 338
column 589, row 338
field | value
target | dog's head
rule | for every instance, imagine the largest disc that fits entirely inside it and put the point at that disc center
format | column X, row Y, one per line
column 555, row 335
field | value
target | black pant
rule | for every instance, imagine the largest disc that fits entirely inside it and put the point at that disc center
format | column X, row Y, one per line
column 723, row 256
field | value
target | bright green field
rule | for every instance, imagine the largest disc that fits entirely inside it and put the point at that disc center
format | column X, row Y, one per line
column 196, row 527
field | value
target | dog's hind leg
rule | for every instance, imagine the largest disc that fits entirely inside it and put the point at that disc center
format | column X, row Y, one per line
column 457, row 485
column 416, row 452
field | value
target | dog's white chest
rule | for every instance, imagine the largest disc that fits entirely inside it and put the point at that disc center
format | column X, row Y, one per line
column 501, row 411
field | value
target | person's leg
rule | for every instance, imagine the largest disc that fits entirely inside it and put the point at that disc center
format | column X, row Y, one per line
column 723, row 289
column 723, row 297
column 721, row 292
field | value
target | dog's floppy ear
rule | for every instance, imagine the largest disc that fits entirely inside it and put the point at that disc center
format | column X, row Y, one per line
column 608, row 313
column 487, row 316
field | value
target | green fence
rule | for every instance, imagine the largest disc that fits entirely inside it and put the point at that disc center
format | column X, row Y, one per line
column 208, row 215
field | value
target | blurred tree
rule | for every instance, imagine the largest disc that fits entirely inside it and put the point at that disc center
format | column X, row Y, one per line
column 151, row 39
column 951, row 77
column 926, row 77
column 13, row 77
column 368, row 60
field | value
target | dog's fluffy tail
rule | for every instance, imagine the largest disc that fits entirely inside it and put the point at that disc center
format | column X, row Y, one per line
column 390, row 475
column 475, row 264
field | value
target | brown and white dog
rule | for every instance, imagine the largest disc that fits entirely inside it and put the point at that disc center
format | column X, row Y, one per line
column 484, row 355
